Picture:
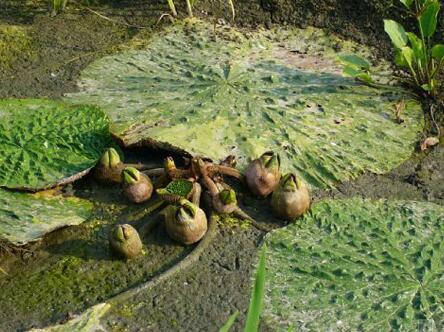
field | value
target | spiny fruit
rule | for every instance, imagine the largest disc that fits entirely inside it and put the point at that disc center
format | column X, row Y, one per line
column 291, row 199
column 125, row 241
column 137, row 187
column 263, row 174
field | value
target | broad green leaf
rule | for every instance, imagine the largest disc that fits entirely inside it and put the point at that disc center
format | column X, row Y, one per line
column 243, row 95
column 351, row 71
column 396, row 33
column 89, row 321
column 438, row 52
column 399, row 59
column 417, row 47
column 45, row 143
column 428, row 18
column 257, row 295
column 408, row 55
column 365, row 77
column 427, row 87
column 27, row 217
column 407, row 3
column 355, row 60
column 358, row 265
column 229, row 322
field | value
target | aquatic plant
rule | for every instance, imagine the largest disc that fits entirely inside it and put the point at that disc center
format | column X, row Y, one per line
column 241, row 94
column 28, row 217
column 125, row 241
column 185, row 222
column 263, row 174
column 136, row 186
column 47, row 143
column 291, row 199
column 416, row 54
column 369, row 265
column 109, row 168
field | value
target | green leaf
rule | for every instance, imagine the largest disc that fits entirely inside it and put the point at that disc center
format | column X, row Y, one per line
column 399, row 59
column 364, row 77
column 407, row 3
column 355, row 60
column 46, row 143
column 427, row 87
column 27, row 217
column 351, row 71
column 229, row 322
column 357, row 265
column 396, row 33
column 257, row 295
column 438, row 52
column 408, row 55
column 246, row 95
column 417, row 47
column 428, row 18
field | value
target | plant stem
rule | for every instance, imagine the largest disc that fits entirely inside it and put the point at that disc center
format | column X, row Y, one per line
column 172, row 7
column 189, row 8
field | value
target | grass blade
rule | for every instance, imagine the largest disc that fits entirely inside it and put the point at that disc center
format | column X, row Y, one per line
column 257, row 296
column 229, row 322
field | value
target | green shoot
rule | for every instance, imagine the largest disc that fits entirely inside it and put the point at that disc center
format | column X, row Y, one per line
column 257, row 295
column 229, row 322
column 172, row 7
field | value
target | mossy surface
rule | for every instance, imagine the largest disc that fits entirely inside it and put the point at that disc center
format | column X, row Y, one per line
column 15, row 42
column 230, row 92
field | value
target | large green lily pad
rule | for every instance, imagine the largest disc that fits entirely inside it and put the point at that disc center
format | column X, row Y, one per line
column 45, row 143
column 246, row 93
column 358, row 265
column 27, row 217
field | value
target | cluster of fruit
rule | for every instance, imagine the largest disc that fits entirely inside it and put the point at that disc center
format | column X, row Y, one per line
column 181, row 189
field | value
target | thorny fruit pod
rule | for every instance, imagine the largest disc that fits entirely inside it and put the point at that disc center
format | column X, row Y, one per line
column 125, row 241
column 109, row 168
column 291, row 199
column 185, row 223
column 137, row 187
column 263, row 174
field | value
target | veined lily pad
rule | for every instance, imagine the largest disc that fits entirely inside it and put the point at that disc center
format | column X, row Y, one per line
column 243, row 94
column 27, row 217
column 45, row 143
column 89, row 321
column 358, row 265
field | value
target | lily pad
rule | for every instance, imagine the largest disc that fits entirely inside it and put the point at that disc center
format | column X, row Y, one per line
column 89, row 321
column 27, row 217
column 358, row 265
column 216, row 94
column 45, row 143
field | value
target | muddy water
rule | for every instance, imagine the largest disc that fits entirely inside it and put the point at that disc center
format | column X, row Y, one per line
column 200, row 298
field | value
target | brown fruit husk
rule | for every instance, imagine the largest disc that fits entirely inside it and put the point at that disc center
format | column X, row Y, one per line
column 186, row 223
column 263, row 174
column 136, row 186
column 125, row 241
column 291, row 199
